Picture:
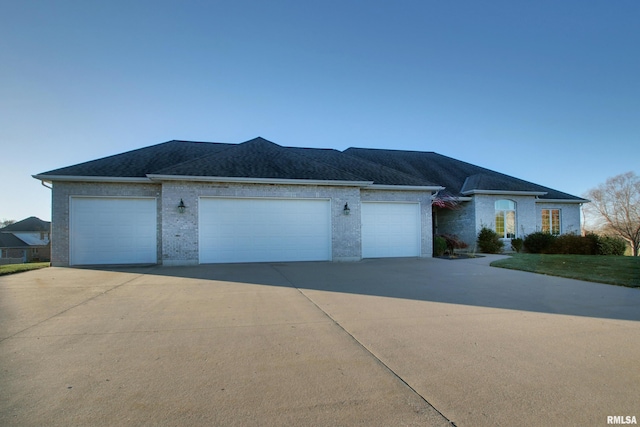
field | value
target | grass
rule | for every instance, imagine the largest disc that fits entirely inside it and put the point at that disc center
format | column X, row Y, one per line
column 19, row 268
column 613, row 270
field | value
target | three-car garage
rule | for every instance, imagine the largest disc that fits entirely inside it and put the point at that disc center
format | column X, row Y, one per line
column 121, row 230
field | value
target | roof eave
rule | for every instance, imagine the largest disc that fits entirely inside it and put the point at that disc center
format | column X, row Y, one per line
column 77, row 178
column 577, row 201
column 243, row 180
column 405, row 187
column 505, row 192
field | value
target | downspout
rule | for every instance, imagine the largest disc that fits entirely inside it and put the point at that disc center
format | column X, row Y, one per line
column 50, row 231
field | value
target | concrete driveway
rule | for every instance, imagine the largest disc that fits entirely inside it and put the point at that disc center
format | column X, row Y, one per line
column 416, row 342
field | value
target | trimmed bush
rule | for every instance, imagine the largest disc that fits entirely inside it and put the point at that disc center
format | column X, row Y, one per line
column 439, row 246
column 517, row 244
column 489, row 242
column 608, row 245
column 539, row 242
column 572, row 244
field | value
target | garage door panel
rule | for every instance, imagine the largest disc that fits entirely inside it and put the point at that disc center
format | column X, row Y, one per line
column 113, row 231
column 390, row 229
column 263, row 230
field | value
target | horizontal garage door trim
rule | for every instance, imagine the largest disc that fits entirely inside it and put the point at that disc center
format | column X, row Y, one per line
column 113, row 230
column 264, row 229
column 391, row 229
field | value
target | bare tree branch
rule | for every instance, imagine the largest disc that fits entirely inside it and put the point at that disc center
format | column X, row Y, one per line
column 616, row 206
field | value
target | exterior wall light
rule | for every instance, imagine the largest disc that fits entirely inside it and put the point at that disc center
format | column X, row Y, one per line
column 346, row 209
column 181, row 207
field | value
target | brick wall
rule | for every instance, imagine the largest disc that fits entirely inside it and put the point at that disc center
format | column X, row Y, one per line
column 180, row 232
column 570, row 218
column 525, row 212
column 460, row 222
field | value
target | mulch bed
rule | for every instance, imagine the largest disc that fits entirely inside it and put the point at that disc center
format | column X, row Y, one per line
column 460, row 256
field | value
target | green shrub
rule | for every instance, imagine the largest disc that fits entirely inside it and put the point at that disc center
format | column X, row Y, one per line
column 489, row 242
column 608, row 245
column 539, row 242
column 572, row 244
column 516, row 244
column 439, row 246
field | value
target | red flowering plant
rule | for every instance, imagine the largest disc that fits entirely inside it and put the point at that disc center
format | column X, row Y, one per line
column 453, row 243
column 445, row 200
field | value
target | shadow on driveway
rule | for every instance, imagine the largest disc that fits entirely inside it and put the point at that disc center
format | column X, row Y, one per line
column 466, row 281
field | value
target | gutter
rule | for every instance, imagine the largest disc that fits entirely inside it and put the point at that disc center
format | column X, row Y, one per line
column 405, row 187
column 503, row 192
column 579, row 201
column 72, row 178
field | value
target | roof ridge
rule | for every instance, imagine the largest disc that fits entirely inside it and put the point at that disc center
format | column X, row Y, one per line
column 390, row 149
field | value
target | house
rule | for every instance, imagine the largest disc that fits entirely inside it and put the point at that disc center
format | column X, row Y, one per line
column 183, row 203
column 25, row 241
column 510, row 206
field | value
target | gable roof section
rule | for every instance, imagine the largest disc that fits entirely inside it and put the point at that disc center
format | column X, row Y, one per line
column 8, row 240
column 259, row 158
column 458, row 177
column 32, row 223
column 138, row 163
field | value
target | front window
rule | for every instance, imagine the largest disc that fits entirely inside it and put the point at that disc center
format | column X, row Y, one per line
column 506, row 219
column 551, row 221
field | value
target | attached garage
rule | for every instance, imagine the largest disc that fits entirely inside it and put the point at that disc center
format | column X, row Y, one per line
column 106, row 230
column 264, row 230
column 390, row 229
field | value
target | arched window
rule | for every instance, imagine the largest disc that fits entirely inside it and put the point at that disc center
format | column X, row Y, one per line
column 506, row 218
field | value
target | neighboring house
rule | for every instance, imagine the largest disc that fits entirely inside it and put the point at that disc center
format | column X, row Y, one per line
column 25, row 241
column 182, row 203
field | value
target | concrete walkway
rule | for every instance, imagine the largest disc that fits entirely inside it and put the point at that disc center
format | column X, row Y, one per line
column 424, row 342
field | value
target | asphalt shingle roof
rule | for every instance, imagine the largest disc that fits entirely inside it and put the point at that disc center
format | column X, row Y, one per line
column 259, row 158
column 458, row 177
column 379, row 174
column 29, row 224
column 8, row 240
column 138, row 163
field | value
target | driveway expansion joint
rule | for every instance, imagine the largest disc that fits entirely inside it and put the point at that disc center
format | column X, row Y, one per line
column 363, row 347
column 70, row 308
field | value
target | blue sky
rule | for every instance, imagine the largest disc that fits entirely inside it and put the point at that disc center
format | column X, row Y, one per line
column 547, row 91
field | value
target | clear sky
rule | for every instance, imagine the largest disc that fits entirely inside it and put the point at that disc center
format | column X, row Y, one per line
column 547, row 91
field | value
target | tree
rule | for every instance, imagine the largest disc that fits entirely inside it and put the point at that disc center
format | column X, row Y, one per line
column 616, row 206
column 6, row 222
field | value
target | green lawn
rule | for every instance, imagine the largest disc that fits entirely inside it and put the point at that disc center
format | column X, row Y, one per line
column 17, row 268
column 614, row 270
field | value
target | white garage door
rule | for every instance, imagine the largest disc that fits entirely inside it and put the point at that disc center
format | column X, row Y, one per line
column 263, row 230
column 113, row 231
column 390, row 229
